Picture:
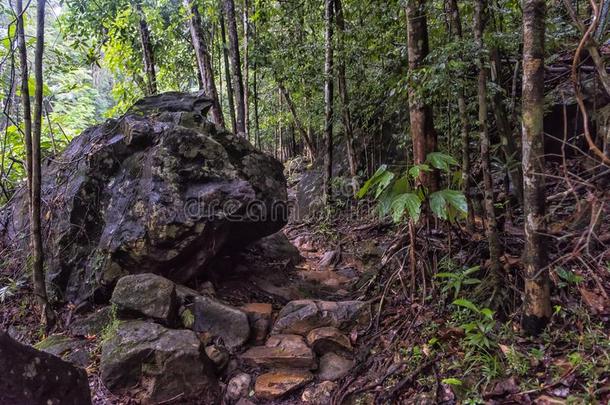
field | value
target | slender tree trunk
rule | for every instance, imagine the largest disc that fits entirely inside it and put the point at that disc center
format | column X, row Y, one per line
column 148, row 56
column 225, row 52
column 491, row 226
column 344, row 94
column 456, row 29
column 246, row 70
column 299, row 124
column 238, row 87
column 328, row 100
column 25, row 94
column 536, row 301
column 423, row 134
column 512, row 155
column 204, row 59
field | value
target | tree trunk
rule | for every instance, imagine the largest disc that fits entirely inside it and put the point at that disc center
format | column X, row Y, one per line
column 512, row 155
column 456, row 29
column 225, row 52
column 344, row 94
column 536, row 301
column 328, row 100
column 420, row 114
column 204, row 60
column 246, row 70
column 491, row 226
column 299, row 124
column 148, row 56
column 238, row 87
column 25, row 94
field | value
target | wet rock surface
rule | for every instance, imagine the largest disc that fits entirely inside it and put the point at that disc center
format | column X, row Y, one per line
column 276, row 384
column 302, row 316
column 282, row 351
column 159, row 190
column 30, row 376
column 157, row 364
column 221, row 320
column 147, row 295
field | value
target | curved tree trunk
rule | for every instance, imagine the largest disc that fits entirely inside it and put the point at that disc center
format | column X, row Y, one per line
column 536, row 302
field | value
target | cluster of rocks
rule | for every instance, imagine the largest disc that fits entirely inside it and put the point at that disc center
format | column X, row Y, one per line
column 162, row 341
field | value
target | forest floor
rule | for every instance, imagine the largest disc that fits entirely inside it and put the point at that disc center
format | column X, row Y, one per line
column 430, row 339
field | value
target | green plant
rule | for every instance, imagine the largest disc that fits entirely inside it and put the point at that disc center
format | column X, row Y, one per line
column 567, row 277
column 456, row 280
column 399, row 196
column 479, row 328
column 10, row 288
column 517, row 362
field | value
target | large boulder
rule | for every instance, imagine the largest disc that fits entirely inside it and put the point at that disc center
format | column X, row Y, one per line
column 160, row 190
column 156, row 364
column 30, row 376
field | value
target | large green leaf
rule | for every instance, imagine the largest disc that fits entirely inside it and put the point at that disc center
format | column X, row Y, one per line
column 372, row 181
column 407, row 202
column 384, row 181
column 441, row 161
column 462, row 302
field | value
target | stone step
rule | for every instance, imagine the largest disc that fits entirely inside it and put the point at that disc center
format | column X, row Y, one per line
column 278, row 383
column 282, row 351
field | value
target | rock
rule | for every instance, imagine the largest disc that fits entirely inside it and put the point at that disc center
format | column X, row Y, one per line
column 301, row 316
column 244, row 401
column 148, row 193
column 277, row 247
column 185, row 295
column 328, row 339
column 283, row 351
column 238, row 386
column 319, row 394
column 69, row 349
column 218, row 319
column 93, row 324
column 330, row 259
column 259, row 316
column 219, row 357
column 207, row 288
column 334, row 367
column 147, row 295
column 279, row 383
column 30, row 376
column 155, row 364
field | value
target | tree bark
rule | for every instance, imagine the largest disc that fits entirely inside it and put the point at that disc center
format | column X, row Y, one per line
column 246, row 69
column 536, row 301
column 344, row 94
column 420, row 113
column 297, row 121
column 238, row 87
column 25, row 94
column 225, row 52
column 204, row 59
column 512, row 155
column 491, row 225
column 456, row 29
column 328, row 100
column 148, row 56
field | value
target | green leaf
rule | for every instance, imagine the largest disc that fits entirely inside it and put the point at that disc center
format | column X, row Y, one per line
column 415, row 171
column 438, row 205
column 451, row 381
column 384, row 182
column 372, row 181
column 457, row 200
column 408, row 202
column 462, row 302
column 441, row 161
